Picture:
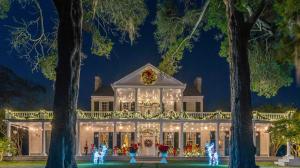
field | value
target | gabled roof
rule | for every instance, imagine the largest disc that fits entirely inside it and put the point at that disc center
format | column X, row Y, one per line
column 103, row 91
column 191, row 90
column 134, row 79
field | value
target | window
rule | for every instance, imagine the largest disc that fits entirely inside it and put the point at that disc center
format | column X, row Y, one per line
column 96, row 106
column 105, row 106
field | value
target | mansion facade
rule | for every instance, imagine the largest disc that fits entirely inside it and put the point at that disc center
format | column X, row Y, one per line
column 146, row 107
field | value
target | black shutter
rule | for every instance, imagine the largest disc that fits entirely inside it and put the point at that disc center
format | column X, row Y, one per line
column 198, row 107
column 175, row 106
column 132, row 137
column 132, row 108
column 119, row 139
column 227, row 142
column 184, row 139
column 111, row 106
column 110, row 140
column 176, row 139
column 198, row 139
column 96, row 106
column 213, row 137
column 257, row 145
column 96, row 139
column 184, row 106
column 121, row 106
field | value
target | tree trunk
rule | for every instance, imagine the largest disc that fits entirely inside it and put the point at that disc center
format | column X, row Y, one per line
column 242, row 149
column 62, row 145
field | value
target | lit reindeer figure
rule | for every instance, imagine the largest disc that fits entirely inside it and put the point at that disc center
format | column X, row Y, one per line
column 213, row 155
column 99, row 155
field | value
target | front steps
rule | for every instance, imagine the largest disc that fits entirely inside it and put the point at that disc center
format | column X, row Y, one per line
column 288, row 161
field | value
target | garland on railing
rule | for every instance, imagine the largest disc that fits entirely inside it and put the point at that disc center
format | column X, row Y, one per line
column 172, row 115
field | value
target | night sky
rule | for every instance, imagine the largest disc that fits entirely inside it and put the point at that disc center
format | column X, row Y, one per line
column 203, row 61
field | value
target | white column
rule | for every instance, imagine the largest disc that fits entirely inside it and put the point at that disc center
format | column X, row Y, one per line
column 115, row 135
column 161, row 133
column 268, row 143
column 136, row 99
column 8, row 129
column 43, row 139
column 217, row 136
column 136, row 132
column 161, row 99
column 254, row 134
column 115, row 99
column 181, row 101
column 78, row 148
column 288, row 148
column 181, row 140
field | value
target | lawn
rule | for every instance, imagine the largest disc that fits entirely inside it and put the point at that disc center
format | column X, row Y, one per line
column 119, row 164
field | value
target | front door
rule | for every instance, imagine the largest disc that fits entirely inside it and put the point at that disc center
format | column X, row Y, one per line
column 148, row 146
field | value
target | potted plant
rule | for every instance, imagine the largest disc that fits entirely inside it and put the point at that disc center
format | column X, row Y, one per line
column 132, row 152
column 163, row 149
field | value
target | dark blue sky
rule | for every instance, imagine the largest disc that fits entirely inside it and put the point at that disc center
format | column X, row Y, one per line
column 203, row 61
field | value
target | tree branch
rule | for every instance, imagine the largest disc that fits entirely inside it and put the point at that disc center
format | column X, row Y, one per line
column 255, row 15
column 194, row 28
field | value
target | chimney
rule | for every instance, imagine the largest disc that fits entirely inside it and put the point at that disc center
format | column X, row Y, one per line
column 198, row 84
column 98, row 83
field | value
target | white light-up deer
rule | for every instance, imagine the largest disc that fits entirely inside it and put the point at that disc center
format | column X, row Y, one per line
column 99, row 155
column 212, row 154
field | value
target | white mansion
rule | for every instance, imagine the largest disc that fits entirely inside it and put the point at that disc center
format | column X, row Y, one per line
column 146, row 107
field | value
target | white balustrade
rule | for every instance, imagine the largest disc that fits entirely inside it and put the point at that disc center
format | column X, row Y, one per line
column 48, row 115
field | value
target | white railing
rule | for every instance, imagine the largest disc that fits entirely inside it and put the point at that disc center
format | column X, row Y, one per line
column 121, row 115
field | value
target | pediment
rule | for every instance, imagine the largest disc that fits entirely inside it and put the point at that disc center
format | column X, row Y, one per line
column 135, row 78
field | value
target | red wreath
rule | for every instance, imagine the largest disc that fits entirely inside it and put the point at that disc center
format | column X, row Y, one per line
column 148, row 143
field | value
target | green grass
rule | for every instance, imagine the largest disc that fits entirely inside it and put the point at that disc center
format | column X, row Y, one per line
column 122, row 164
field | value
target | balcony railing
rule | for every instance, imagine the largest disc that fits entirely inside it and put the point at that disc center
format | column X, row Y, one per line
column 127, row 115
